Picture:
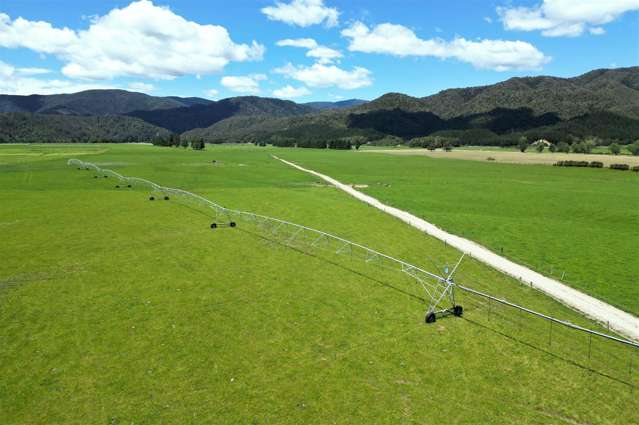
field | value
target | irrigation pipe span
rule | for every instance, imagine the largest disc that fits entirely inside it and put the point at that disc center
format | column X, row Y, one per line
column 623, row 323
column 439, row 289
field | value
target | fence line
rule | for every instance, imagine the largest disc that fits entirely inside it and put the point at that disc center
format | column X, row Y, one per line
column 546, row 317
column 439, row 289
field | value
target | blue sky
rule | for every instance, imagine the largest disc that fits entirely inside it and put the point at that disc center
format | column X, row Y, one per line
column 305, row 50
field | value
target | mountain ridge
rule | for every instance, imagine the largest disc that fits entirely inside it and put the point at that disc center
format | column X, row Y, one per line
column 561, row 107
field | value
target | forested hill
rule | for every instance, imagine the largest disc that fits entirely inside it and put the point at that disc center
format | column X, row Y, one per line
column 23, row 127
column 183, row 119
column 341, row 104
column 93, row 102
column 603, row 103
column 611, row 90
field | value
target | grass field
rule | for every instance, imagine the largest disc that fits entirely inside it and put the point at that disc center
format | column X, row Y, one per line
column 115, row 309
column 579, row 221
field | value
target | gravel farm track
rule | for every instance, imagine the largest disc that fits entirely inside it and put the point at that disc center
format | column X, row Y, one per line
column 624, row 323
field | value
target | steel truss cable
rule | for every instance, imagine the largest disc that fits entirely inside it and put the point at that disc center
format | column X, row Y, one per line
column 440, row 290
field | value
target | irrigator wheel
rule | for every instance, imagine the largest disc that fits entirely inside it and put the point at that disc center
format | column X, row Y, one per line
column 213, row 225
column 117, row 186
column 151, row 198
column 458, row 310
column 232, row 224
column 166, row 198
column 431, row 318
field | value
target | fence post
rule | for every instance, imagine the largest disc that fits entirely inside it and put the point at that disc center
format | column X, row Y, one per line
column 488, row 309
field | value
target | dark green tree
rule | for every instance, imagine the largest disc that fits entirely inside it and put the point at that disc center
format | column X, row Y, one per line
column 615, row 149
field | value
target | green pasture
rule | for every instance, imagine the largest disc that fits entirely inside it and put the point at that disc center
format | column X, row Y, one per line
column 118, row 310
column 581, row 224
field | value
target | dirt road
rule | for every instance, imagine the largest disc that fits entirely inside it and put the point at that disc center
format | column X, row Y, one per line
column 624, row 323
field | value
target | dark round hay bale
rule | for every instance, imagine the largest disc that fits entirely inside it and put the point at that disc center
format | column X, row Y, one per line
column 213, row 225
column 232, row 224
column 151, row 198
column 431, row 318
column 458, row 310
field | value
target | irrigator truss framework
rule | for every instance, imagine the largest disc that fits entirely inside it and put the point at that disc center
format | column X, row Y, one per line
column 439, row 289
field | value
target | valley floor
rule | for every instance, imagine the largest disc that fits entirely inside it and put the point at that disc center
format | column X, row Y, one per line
column 115, row 309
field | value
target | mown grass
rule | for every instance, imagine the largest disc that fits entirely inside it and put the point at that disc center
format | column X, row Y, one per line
column 115, row 309
column 578, row 223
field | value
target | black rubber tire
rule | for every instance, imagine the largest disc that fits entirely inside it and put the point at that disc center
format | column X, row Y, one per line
column 431, row 318
column 151, row 198
column 95, row 177
column 106, row 177
column 166, row 198
column 232, row 224
column 128, row 185
column 458, row 310
column 117, row 186
column 213, row 225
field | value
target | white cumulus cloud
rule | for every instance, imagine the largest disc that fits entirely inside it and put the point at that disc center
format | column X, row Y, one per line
column 290, row 92
column 243, row 84
column 33, row 71
column 397, row 40
column 321, row 53
column 141, row 40
column 20, row 81
column 322, row 75
column 302, row 13
column 211, row 93
column 565, row 18
column 141, row 87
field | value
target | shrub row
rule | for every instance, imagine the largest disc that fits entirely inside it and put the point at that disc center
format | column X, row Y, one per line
column 574, row 164
column 594, row 164
column 619, row 167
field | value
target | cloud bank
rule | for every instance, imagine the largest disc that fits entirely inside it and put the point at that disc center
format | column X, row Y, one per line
column 302, row 13
column 139, row 40
column 565, row 18
column 397, row 40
